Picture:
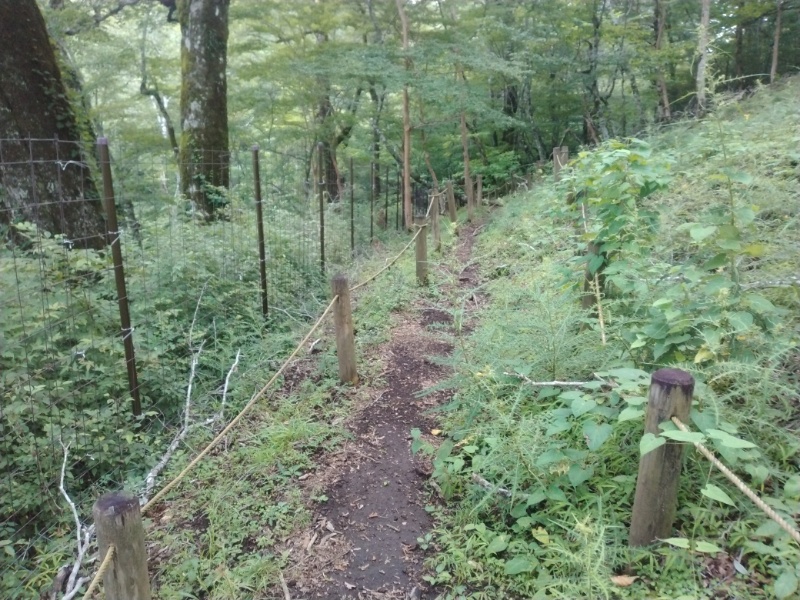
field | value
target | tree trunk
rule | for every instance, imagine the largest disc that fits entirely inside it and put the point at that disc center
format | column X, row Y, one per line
column 409, row 218
column 204, row 154
column 702, row 51
column 46, row 181
column 773, row 71
column 665, row 113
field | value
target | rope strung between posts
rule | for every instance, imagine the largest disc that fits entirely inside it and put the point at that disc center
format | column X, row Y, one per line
column 256, row 397
column 101, row 571
column 396, row 258
column 742, row 486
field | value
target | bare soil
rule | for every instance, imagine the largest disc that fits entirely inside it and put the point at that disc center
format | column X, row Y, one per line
column 363, row 543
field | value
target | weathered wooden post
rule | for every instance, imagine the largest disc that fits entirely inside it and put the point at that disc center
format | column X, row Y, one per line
column 113, row 235
column 451, row 202
column 656, row 498
column 421, row 249
column 352, row 211
column 437, row 234
column 345, row 339
column 560, row 159
column 262, row 255
column 118, row 521
column 479, row 194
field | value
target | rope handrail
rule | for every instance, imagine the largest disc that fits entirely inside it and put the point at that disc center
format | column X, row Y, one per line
column 256, row 397
column 396, row 258
column 100, row 572
column 742, row 486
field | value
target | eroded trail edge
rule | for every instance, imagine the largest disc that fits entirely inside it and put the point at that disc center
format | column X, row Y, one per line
column 363, row 543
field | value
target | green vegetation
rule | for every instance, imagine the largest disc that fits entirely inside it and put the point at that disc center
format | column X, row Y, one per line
column 695, row 228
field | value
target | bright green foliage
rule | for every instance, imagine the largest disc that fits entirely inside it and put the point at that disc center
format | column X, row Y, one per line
column 539, row 479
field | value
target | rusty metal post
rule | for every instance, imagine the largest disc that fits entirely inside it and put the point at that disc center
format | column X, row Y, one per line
column 320, row 157
column 352, row 211
column 371, row 201
column 262, row 255
column 113, row 236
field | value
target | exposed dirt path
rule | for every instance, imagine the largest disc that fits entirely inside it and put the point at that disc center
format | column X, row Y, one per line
column 363, row 542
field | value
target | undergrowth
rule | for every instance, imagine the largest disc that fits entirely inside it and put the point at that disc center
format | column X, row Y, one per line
column 692, row 237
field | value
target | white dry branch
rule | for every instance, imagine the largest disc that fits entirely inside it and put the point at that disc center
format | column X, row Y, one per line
column 84, row 535
column 235, row 364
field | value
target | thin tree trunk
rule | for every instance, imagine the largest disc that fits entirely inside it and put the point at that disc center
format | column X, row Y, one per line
column 661, row 82
column 204, row 153
column 773, row 71
column 702, row 51
column 406, row 122
column 465, row 149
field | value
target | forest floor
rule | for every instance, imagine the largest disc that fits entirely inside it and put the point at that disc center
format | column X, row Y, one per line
column 362, row 543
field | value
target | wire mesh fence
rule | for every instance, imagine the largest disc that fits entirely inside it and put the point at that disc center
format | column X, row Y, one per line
column 71, row 414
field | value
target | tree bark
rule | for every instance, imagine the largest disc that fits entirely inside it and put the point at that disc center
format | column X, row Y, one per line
column 773, row 71
column 409, row 220
column 44, row 173
column 702, row 51
column 665, row 113
column 204, row 153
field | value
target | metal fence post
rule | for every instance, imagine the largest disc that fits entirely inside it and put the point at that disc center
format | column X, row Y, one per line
column 262, row 255
column 119, row 274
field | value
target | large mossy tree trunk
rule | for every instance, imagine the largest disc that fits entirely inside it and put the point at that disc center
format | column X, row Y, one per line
column 44, row 173
column 204, row 152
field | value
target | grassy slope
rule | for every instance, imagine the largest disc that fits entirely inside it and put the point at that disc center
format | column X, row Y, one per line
column 568, row 457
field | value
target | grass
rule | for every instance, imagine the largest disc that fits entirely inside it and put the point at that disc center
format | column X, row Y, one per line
column 567, row 457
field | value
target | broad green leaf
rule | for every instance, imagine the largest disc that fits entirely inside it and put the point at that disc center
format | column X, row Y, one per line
column 699, row 233
column 498, row 544
column 691, row 437
column 707, row 547
column 759, row 304
column 677, row 542
column 596, row 434
column 791, row 488
column 577, row 475
column 715, row 493
column 786, row 584
column 740, row 320
column 720, row 260
column 630, row 413
column 581, row 406
column 650, row 442
column 518, row 564
column 729, row 441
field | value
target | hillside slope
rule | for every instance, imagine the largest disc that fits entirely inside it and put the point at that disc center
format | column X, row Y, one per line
column 690, row 241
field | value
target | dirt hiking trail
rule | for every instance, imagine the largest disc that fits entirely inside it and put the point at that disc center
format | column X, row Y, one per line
column 363, row 541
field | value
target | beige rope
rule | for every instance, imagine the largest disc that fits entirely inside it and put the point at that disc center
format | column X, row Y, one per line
column 742, row 486
column 396, row 258
column 101, row 571
column 256, row 397
column 389, row 264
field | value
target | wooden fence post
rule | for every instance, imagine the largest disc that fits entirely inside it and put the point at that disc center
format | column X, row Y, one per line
column 113, row 234
column 118, row 521
column 345, row 339
column 451, row 202
column 262, row 255
column 656, row 498
column 437, row 234
column 422, row 254
column 560, row 159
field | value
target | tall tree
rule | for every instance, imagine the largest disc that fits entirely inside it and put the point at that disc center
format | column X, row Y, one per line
column 702, row 51
column 46, row 182
column 776, row 40
column 204, row 153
